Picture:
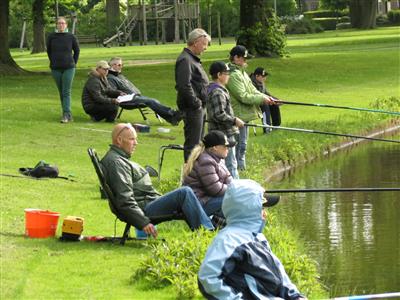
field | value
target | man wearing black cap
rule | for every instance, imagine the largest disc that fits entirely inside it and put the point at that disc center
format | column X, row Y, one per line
column 258, row 77
column 191, row 86
column 220, row 113
column 246, row 99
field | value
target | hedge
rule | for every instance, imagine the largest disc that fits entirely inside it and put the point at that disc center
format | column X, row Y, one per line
column 394, row 16
column 322, row 14
column 326, row 23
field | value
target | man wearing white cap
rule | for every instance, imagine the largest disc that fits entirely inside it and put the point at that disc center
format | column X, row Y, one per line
column 99, row 100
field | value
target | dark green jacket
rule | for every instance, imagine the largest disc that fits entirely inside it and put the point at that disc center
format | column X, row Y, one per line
column 131, row 186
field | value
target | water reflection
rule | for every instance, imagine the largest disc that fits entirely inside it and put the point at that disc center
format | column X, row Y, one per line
column 355, row 237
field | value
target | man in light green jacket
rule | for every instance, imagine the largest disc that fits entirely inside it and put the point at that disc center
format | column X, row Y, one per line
column 245, row 98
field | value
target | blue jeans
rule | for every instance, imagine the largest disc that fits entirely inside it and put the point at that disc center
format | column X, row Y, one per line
column 181, row 200
column 63, row 79
column 231, row 163
column 163, row 111
column 213, row 206
column 241, row 147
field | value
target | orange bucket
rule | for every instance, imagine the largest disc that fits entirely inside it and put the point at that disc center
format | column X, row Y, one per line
column 40, row 223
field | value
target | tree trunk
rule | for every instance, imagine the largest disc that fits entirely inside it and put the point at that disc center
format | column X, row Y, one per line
column 38, row 26
column 363, row 13
column 251, row 12
column 7, row 64
column 112, row 16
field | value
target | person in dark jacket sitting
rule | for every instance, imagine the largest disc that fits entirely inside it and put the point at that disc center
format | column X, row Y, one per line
column 239, row 263
column 205, row 171
column 99, row 100
column 135, row 200
column 119, row 82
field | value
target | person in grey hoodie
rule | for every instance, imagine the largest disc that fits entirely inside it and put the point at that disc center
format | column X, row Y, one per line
column 239, row 263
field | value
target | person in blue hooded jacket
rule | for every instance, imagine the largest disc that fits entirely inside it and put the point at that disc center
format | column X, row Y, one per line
column 239, row 264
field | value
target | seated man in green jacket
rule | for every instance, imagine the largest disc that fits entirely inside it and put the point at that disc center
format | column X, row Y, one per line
column 246, row 99
column 135, row 199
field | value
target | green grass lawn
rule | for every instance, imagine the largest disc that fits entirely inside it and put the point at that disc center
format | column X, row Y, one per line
column 352, row 68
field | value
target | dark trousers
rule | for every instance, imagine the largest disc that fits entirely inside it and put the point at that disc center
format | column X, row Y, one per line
column 163, row 111
column 103, row 111
column 271, row 113
column 193, row 129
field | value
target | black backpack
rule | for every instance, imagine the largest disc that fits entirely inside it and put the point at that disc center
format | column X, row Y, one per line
column 42, row 169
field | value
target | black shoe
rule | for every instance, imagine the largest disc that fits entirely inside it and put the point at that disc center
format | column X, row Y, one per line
column 176, row 118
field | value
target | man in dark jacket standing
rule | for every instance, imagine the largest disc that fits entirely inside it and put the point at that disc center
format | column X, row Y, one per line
column 191, row 85
column 135, row 199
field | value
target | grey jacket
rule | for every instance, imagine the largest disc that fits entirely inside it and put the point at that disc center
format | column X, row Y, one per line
column 120, row 82
column 220, row 114
column 97, row 91
column 131, row 186
column 191, row 81
column 209, row 177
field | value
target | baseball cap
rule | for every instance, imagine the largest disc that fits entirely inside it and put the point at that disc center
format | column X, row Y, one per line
column 215, row 138
column 261, row 71
column 217, row 67
column 102, row 64
column 270, row 200
column 240, row 51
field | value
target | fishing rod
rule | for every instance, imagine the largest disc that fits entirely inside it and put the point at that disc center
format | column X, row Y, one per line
column 338, row 106
column 322, row 132
column 331, row 190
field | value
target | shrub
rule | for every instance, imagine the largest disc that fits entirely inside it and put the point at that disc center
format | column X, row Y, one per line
column 326, row 23
column 382, row 20
column 300, row 26
column 394, row 16
column 264, row 39
column 344, row 19
column 346, row 25
column 322, row 14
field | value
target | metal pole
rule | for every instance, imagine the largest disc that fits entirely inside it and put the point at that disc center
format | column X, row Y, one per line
column 330, row 190
column 323, row 132
column 21, row 44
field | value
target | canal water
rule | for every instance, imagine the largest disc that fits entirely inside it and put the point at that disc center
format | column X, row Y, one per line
column 354, row 237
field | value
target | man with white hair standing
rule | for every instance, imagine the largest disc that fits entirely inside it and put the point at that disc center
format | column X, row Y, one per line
column 191, row 85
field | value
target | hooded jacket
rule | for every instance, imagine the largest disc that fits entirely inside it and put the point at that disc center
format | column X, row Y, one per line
column 239, row 264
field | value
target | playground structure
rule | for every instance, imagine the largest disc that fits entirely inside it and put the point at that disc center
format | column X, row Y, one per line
column 185, row 16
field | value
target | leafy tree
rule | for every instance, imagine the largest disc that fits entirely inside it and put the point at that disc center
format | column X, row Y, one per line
column 283, row 7
column 112, row 16
column 38, row 26
column 363, row 13
column 334, row 4
column 260, row 29
column 7, row 64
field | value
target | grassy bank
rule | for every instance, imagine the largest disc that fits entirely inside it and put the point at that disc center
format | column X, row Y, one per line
column 353, row 68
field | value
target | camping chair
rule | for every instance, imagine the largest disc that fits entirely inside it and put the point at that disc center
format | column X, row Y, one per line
column 161, row 155
column 143, row 109
column 106, row 191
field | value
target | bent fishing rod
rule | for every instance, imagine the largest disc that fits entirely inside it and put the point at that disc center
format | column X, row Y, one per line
column 331, row 190
column 338, row 106
column 322, row 132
